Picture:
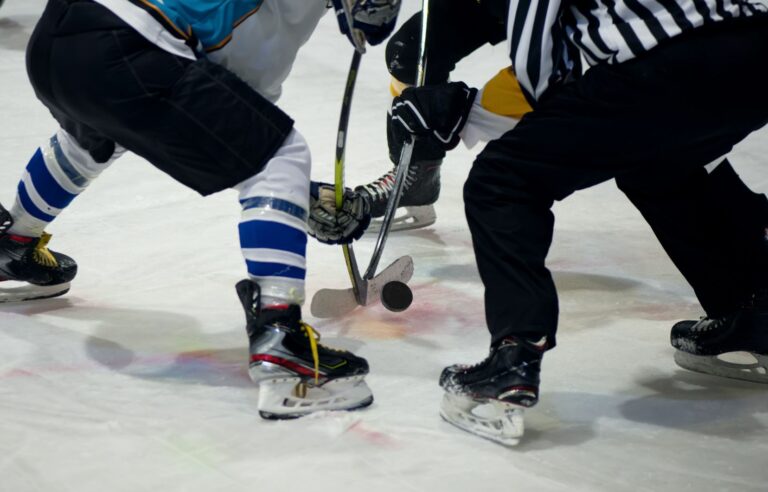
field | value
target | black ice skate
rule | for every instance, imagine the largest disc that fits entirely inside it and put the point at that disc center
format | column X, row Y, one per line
column 28, row 269
column 717, row 345
column 488, row 399
column 420, row 191
column 295, row 373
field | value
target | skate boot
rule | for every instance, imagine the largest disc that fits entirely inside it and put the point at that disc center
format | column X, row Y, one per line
column 420, row 191
column 296, row 374
column 733, row 346
column 28, row 269
column 488, row 399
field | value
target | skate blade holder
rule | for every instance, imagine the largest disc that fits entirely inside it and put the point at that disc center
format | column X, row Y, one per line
column 289, row 398
column 494, row 420
column 745, row 366
column 416, row 217
column 14, row 291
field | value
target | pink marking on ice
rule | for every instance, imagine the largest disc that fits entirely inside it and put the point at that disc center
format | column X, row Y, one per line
column 372, row 436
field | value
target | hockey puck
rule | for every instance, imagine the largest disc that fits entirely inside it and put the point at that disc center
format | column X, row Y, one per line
column 396, row 296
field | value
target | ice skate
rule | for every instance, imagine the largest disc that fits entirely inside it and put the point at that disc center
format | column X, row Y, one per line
column 488, row 399
column 733, row 346
column 296, row 374
column 420, row 191
column 28, row 269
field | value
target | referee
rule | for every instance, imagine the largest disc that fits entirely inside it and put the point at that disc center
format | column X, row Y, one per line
column 671, row 87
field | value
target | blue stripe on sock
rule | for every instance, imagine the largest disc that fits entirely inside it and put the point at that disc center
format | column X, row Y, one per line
column 45, row 185
column 263, row 269
column 65, row 165
column 30, row 207
column 269, row 202
column 272, row 235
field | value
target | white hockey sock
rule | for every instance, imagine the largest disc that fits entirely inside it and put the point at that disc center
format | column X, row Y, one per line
column 272, row 229
column 58, row 172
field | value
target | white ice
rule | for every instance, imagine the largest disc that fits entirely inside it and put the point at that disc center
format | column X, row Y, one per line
column 136, row 380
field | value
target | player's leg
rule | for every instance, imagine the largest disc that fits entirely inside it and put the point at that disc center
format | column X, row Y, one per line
column 711, row 225
column 444, row 50
column 209, row 130
column 713, row 228
column 641, row 116
column 59, row 170
column 283, row 352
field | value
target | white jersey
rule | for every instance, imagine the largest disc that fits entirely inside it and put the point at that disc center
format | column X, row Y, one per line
column 264, row 47
column 261, row 49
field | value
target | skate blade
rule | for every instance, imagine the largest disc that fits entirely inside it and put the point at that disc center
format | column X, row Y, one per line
column 412, row 218
column 746, row 366
column 490, row 419
column 30, row 292
column 334, row 303
column 294, row 397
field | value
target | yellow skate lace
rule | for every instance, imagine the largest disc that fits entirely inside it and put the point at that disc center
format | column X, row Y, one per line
column 313, row 338
column 42, row 255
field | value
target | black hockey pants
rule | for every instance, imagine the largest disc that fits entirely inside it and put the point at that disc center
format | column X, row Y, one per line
column 105, row 83
column 652, row 123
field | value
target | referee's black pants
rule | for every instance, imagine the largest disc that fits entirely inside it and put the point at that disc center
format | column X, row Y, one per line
column 652, row 123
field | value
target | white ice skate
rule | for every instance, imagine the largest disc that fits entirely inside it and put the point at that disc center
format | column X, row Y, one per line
column 296, row 374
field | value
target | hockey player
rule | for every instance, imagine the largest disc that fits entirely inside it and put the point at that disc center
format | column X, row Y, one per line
column 670, row 90
column 191, row 85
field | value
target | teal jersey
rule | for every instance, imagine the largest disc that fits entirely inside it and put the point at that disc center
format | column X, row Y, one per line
column 207, row 22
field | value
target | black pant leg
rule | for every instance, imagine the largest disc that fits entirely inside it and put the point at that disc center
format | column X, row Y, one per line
column 38, row 58
column 670, row 109
column 711, row 225
column 194, row 120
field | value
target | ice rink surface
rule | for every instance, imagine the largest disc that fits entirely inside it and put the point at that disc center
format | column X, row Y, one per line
column 136, row 380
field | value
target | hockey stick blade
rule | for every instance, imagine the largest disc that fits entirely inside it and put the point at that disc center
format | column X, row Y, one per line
column 334, row 303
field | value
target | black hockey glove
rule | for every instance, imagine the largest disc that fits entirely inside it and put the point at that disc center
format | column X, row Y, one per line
column 437, row 112
column 331, row 227
column 372, row 20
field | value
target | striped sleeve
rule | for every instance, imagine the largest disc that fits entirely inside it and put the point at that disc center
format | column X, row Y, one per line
column 537, row 47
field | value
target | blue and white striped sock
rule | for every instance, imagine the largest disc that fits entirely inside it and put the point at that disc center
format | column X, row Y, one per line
column 55, row 175
column 272, row 229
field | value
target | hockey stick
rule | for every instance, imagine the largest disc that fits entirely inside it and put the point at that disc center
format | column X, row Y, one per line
column 405, row 155
column 328, row 303
column 341, row 144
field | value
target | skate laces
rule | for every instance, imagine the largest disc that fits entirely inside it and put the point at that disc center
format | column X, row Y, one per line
column 706, row 324
column 313, row 338
column 42, row 255
column 382, row 187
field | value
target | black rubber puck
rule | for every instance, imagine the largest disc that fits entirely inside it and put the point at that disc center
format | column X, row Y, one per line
column 396, row 296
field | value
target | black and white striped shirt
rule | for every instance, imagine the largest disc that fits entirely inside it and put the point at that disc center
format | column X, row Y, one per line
column 548, row 37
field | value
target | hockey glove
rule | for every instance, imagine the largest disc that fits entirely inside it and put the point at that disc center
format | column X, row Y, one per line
column 330, row 226
column 372, row 20
column 437, row 112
